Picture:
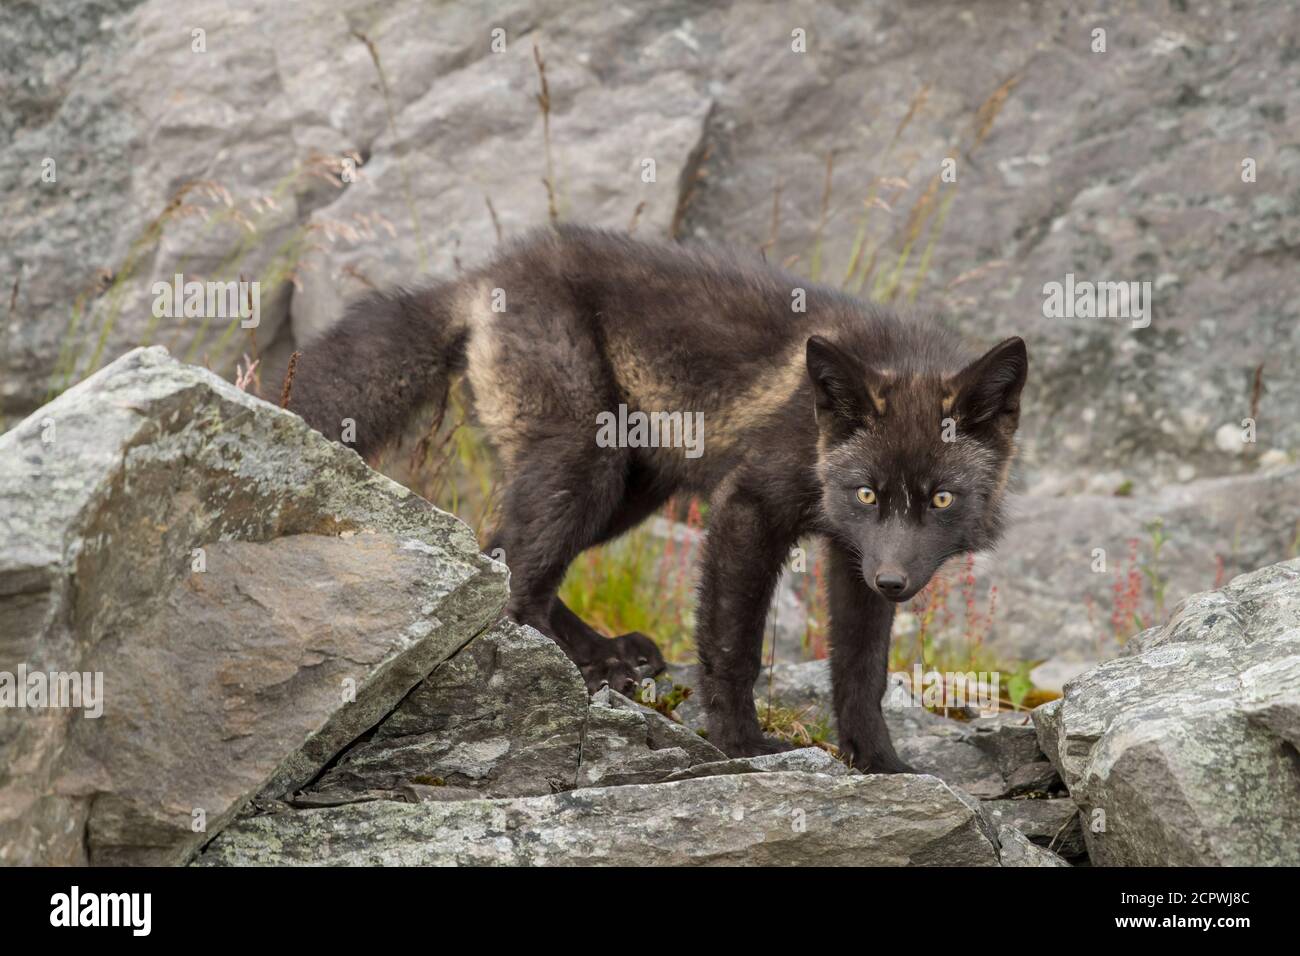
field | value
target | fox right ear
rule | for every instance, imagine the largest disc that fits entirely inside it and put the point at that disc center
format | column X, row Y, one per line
column 989, row 388
column 840, row 384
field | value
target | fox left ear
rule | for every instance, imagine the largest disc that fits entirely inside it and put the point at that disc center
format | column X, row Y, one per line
column 990, row 386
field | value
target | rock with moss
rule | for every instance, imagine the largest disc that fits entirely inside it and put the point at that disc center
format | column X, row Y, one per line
column 1184, row 753
column 252, row 597
column 759, row 819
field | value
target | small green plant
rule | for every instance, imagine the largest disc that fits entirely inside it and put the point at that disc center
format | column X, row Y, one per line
column 799, row 726
column 666, row 703
column 1019, row 685
column 1151, row 568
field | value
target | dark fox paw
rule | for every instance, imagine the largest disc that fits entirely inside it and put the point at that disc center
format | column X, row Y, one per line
column 639, row 653
column 885, row 765
column 613, row 672
column 753, row 745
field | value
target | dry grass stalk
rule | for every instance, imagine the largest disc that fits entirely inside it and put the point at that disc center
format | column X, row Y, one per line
column 496, row 221
column 636, row 217
column 544, row 104
column 287, row 390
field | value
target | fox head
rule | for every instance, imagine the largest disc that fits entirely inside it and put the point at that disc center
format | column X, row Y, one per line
column 913, row 462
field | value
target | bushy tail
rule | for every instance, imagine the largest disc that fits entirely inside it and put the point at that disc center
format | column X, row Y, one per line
column 391, row 354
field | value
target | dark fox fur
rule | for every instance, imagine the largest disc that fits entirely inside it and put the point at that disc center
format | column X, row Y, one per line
column 840, row 420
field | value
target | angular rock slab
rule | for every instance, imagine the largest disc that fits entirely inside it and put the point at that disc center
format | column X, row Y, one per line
column 1017, row 850
column 323, row 582
column 1052, row 824
column 629, row 743
column 503, row 717
column 760, row 819
column 803, row 760
column 1186, row 752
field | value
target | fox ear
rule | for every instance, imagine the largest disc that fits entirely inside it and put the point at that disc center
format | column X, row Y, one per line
column 842, row 387
column 836, row 382
column 990, row 386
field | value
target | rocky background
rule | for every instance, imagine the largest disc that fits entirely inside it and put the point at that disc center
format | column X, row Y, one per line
column 322, row 148
column 394, row 140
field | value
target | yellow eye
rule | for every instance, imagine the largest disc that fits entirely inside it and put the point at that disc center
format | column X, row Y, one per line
column 941, row 499
column 866, row 496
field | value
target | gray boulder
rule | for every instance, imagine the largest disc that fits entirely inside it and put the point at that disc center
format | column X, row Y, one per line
column 1185, row 752
column 505, row 716
column 1055, row 601
column 803, row 760
column 1015, row 849
column 761, row 819
column 1052, row 823
column 628, row 743
column 252, row 597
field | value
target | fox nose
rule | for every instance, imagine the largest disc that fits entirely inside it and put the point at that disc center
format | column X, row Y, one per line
column 891, row 583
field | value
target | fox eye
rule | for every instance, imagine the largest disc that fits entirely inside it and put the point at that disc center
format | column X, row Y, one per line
column 866, row 495
column 941, row 499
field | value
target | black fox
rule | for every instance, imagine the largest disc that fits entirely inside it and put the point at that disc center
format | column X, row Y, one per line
column 821, row 415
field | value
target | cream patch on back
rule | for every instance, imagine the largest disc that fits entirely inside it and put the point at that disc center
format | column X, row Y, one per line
column 496, row 403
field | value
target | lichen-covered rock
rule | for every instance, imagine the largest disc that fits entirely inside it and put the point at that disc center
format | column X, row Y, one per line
column 629, row 743
column 1008, row 737
column 253, row 596
column 1186, row 752
column 1052, row 823
column 1046, row 568
column 803, row 760
column 504, row 716
column 752, row 818
column 1015, row 849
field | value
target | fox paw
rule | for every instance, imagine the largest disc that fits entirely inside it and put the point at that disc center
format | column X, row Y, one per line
column 756, row 745
column 886, row 765
column 611, row 671
column 640, row 653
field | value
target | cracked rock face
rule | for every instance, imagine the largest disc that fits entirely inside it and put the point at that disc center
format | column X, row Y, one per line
column 505, row 716
column 1051, row 823
column 1185, row 753
column 783, row 818
column 253, row 596
column 1017, row 850
column 629, row 743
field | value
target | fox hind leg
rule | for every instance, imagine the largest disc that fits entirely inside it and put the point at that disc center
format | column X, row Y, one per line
column 561, row 498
